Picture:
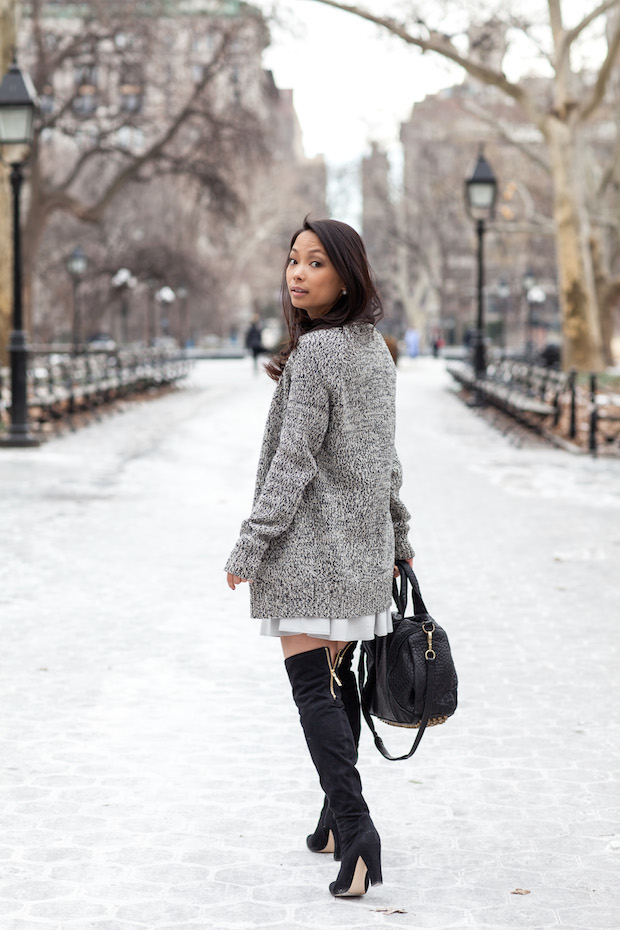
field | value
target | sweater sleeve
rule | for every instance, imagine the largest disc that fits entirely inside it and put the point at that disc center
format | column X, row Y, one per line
column 400, row 514
column 292, row 468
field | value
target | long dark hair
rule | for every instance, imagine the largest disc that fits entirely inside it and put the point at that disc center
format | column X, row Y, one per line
column 361, row 303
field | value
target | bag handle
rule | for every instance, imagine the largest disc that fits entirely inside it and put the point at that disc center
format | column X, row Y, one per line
column 426, row 713
column 407, row 574
column 401, row 597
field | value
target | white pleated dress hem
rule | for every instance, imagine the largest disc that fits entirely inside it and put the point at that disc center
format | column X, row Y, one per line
column 345, row 630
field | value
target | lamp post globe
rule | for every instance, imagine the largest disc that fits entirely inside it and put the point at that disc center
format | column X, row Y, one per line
column 17, row 108
column 481, row 190
column 503, row 292
column 503, row 289
column 480, row 197
column 529, row 280
column 18, row 101
column 182, row 294
column 77, row 262
column 165, row 296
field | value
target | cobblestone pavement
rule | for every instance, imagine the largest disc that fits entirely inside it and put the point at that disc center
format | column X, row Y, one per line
column 153, row 770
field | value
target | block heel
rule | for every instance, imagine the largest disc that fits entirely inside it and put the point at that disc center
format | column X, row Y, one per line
column 361, row 866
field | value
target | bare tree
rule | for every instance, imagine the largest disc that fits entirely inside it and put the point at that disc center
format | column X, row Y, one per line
column 128, row 97
column 562, row 123
column 157, row 238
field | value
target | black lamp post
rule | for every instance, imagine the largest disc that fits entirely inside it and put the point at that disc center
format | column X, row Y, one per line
column 480, row 195
column 77, row 264
column 529, row 282
column 124, row 281
column 17, row 106
column 503, row 292
column 183, row 329
column 151, row 284
column 165, row 297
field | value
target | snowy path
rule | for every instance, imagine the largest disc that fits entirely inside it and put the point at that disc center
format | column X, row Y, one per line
column 153, row 770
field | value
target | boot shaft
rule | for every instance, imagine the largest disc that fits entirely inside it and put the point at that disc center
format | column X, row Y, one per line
column 314, row 680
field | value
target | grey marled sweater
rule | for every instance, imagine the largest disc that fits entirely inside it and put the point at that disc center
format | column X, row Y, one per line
column 327, row 521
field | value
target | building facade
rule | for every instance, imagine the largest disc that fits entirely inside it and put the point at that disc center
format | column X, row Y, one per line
column 164, row 147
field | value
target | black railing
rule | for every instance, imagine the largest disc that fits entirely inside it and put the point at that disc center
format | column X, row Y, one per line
column 60, row 384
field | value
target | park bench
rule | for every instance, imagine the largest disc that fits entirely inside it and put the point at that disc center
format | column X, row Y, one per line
column 538, row 397
column 62, row 384
column 529, row 393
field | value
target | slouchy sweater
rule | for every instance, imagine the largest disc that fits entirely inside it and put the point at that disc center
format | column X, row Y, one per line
column 327, row 521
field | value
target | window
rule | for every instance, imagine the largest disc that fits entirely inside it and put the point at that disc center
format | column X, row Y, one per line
column 131, row 98
column 85, row 102
column 86, row 99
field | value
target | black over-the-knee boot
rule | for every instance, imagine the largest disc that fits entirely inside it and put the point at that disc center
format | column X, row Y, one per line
column 314, row 681
column 325, row 838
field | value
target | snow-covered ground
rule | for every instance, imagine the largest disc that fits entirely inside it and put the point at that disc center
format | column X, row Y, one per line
column 153, row 770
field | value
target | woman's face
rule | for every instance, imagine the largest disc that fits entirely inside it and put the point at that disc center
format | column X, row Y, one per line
column 312, row 281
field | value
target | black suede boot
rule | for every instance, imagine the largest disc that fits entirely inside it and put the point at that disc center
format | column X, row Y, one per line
column 325, row 838
column 314, row 681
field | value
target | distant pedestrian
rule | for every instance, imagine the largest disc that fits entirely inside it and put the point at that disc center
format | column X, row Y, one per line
column 327, row 522
column 254, row 340
column 412, row 341
column 551, row 355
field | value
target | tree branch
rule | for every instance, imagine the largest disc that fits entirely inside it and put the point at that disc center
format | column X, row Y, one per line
column 524, row 26
column 594, row 98
column 504, row 132
column 37, row 35
column 90, row 153
column 610, row 171
column 73, row 46
column 92, row 213
column 442, row 45
column 85, row 157
column 55, row 118
column 571, row 34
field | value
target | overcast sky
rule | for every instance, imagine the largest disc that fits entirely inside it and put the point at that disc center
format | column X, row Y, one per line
column 351, row 83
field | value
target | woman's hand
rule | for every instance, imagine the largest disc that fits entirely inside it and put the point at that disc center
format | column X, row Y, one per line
column 396, row 571
column 234, row 580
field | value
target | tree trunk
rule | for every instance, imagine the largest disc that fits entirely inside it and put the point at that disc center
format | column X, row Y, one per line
column 7, row 44
column 608, row 294
column 610, row 302
column 582, row 347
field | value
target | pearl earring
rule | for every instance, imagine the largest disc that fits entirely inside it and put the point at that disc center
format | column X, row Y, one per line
column 344, row 290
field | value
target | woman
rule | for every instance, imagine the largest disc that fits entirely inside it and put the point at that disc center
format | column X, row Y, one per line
column 327, row 523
